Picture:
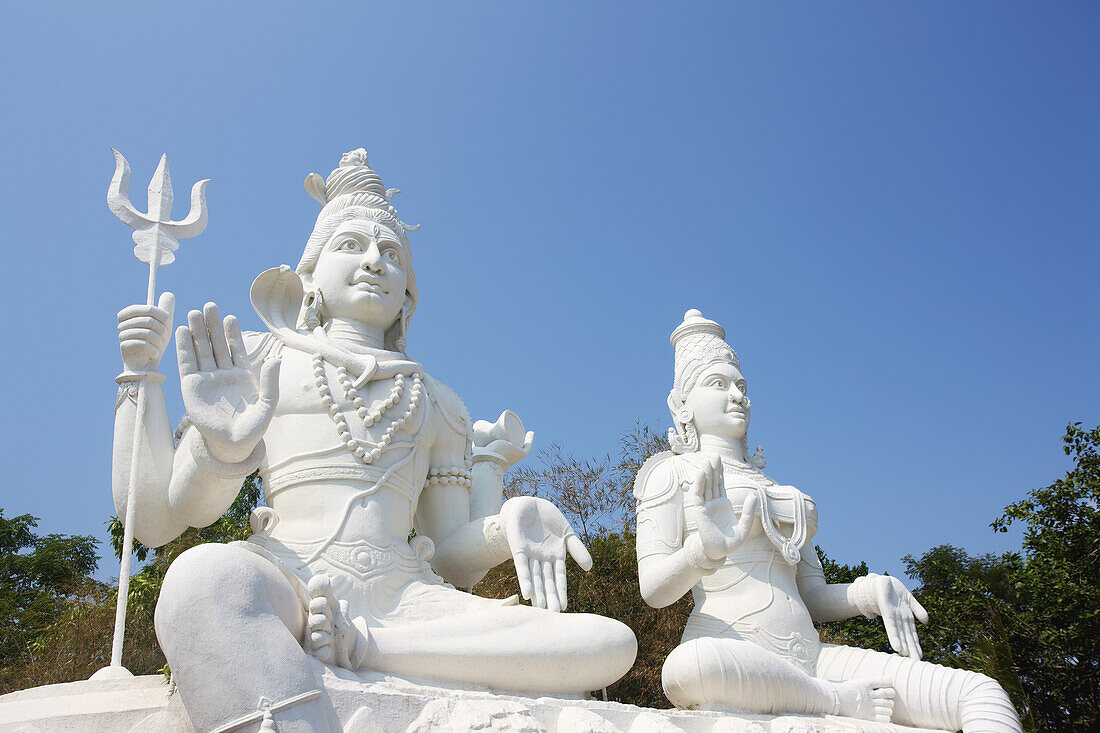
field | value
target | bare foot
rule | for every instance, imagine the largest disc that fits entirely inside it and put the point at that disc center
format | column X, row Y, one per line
column 866, row 699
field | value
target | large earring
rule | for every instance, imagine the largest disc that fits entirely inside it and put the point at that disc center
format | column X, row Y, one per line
column 682, row 437
column 313, row 306
column 400, row 340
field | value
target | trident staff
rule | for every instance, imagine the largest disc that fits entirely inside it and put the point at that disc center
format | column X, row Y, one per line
column 156, row 238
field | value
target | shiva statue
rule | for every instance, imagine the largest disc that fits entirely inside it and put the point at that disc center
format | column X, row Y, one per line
column 381, row 497
column 710, row 521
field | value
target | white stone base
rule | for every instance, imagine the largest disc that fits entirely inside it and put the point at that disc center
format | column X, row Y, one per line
column 389, row 705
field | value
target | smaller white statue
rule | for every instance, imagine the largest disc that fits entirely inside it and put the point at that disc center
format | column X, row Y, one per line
column 710, row 521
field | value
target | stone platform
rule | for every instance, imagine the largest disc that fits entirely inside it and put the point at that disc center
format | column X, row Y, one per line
column 389, row 705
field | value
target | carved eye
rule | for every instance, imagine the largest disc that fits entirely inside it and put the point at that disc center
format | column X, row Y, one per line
column 391, row 255
column 717, row 382
column 743, row 388
column 349, row 245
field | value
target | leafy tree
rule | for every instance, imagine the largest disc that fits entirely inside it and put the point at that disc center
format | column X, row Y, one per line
column 75, row 637
column 39, row 578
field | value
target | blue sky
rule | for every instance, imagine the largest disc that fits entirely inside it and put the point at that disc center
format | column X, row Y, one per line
column 892, row 208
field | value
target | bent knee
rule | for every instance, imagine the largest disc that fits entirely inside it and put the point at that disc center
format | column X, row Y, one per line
column 223, row 581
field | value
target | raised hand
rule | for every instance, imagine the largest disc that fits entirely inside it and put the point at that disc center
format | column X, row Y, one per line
column 221, row 395
column 143, row 333
column 705, row 501
column 539, row 538
column 898, row 608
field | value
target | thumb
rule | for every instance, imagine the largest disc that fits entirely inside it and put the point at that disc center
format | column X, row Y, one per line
column 269, row 381
column 167, row 303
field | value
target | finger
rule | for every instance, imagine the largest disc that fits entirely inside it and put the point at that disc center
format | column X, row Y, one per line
column 717, row 485
column 914, row 641
column 143, row 322
column 561, row 580
column 167, row 306
column 578, row 552
column 523, row 574
column 894, row 634
column 203, row 351
column 143, row 335
column 918, row 610
column 269, row 382
column 319, row 622
column 135, row 311
column 185, row 352
column 216, row 329
column 528, row 440
column 539, row 601
column 237, row 350
column 549, row 582
column 320, row 607
column 320, row 638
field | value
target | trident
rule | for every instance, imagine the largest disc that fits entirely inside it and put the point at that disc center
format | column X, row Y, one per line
column 156, row 238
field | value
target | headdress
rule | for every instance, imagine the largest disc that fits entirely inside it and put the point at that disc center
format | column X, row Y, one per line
column 355, row 185
column 698, row 343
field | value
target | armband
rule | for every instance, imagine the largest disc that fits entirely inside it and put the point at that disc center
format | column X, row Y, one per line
column 861, row 595
column 132, row 376
column 698, row 559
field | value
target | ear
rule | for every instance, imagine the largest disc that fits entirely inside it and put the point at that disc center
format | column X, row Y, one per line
column 680, row 413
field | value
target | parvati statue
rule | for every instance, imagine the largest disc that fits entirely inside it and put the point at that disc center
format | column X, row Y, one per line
column 710, row 521
column 380, row 494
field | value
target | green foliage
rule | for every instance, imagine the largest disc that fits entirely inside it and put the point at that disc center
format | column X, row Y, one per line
column 73, row 639
column 40, row 577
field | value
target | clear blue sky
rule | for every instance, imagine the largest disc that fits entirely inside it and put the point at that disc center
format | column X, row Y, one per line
column 892, row 207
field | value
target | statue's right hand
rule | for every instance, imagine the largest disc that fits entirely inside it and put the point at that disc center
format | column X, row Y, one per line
column 143, row 333
column 705, row 501
column 222, row 397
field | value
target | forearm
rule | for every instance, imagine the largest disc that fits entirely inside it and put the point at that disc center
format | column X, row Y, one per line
column 664, row 579
column 830, row 602
column 154, row 524
column 203, row 487
column 466, row 554
column 487, row 487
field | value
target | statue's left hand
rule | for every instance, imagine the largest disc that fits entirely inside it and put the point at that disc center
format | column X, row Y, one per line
column 898, row 609
column 224, row 401
column 539, row 538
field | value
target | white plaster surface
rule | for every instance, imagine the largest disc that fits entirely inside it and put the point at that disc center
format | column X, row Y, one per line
column 149, row 705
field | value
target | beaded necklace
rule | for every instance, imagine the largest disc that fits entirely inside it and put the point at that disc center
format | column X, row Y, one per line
column 365, row 450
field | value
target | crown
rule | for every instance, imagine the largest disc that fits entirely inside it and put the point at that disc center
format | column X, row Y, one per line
column 698, row 341
column 355, row 176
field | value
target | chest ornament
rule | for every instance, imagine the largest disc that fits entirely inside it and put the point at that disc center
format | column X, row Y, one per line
column 365, row 450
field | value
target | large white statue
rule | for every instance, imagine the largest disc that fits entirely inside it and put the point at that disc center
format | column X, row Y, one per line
column 710, row 521
column 381, row 495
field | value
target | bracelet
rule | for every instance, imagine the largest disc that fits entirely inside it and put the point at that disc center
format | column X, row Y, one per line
column 217, row 467
column 698, row 559
column 134, row 376
column 861, row 595
column 496, row 537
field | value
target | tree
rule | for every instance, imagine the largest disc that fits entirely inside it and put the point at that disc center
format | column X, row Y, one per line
column 39, row 578
column 74, row 638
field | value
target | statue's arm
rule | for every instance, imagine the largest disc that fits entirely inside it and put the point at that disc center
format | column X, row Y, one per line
column 670, row 559
column 144, row 332
column 825, row 601
column 230, row 402
column 466, row 545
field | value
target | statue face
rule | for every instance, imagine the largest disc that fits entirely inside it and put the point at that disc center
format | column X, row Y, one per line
column 718, row 402
column 362, row 274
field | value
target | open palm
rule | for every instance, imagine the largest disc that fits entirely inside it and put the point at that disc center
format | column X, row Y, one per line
column 223, row 399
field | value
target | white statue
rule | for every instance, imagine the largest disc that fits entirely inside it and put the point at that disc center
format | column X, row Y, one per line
column 710, row 521
column 381, row 496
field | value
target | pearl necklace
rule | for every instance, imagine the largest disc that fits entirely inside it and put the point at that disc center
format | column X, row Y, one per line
column 368, row 416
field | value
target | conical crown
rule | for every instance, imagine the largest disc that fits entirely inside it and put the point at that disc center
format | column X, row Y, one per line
column 698, row 342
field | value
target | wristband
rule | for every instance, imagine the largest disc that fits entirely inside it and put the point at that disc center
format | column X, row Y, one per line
column 217, row 467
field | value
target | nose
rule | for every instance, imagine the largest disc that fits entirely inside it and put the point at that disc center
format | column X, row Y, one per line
column 736, row 395
column 372, row 259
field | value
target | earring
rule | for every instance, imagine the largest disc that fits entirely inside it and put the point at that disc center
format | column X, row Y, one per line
column 313, row 309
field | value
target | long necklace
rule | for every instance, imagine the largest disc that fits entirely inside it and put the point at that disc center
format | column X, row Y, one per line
column 365, row 450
